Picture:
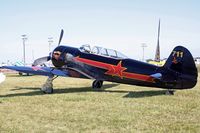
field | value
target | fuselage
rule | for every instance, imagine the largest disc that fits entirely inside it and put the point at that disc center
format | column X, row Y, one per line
column 119, row 70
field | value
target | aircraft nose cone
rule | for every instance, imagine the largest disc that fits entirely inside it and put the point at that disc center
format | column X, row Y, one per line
column 58, row 59
column 56, row 55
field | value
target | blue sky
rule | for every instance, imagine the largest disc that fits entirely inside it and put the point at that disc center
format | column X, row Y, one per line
column 122, row 25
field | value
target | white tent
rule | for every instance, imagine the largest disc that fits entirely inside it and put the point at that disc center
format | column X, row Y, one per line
column 2, row 77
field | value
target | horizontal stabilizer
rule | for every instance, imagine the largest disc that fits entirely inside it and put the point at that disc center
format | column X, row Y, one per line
column 156, row 75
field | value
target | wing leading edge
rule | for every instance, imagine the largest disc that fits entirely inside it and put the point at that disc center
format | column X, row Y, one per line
column 45, row 71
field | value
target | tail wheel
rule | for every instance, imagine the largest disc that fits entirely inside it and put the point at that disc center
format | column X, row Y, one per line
column 97, row 84
column 170, row 92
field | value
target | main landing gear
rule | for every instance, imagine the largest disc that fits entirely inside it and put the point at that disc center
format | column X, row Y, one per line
column 97, row 84
column 48, row 85
column 170, row 92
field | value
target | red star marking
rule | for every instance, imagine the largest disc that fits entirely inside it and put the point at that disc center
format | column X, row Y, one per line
column 35, row 68
column 116, row 70
column 175, row 60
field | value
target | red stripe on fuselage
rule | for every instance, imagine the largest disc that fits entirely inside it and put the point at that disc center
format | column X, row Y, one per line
column 116, row 70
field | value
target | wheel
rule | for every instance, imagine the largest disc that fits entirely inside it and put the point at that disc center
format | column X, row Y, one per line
column 97, row 84
column 20, row 73
column 169, row 92
column 48, row 91
column 47, row 88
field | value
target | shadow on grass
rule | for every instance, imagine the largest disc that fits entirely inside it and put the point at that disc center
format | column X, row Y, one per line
column 139, row 94
column 56, row 91
column 132, row 94
column 32, row 93
column 83, row 89
column 17, row 75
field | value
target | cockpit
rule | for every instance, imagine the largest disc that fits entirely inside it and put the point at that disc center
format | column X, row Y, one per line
column 102, row 51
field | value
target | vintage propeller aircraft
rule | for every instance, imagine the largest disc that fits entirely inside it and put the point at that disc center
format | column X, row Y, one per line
column 101, row 64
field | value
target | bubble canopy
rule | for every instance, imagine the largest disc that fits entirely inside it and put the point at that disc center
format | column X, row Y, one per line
column 102, row 51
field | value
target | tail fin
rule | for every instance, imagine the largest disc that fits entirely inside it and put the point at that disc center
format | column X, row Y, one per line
column 181, row 60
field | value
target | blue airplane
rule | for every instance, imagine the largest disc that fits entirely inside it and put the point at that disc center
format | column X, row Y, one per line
column 101, row 64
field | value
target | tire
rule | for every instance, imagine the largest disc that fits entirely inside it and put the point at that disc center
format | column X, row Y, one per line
column 97, row 84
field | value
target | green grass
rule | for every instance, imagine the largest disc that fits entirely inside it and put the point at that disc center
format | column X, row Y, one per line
column 198, row 67
column 74, row 107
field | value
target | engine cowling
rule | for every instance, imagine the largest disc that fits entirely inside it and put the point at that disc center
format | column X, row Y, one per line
column 60, row 59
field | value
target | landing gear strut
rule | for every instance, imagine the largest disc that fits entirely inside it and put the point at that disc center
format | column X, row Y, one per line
column 170, row 92
column 97, row 84
column 48, row 85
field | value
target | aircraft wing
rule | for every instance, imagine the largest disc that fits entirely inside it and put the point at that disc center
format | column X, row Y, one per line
column 45, row 71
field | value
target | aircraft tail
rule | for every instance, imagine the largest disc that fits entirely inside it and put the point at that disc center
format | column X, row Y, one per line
column 182, row 62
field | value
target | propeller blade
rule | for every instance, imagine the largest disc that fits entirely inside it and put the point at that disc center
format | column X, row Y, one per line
column 61, row 35
column 41, row 60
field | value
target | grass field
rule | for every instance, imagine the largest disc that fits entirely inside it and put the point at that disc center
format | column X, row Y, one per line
column 198, row 67
column 74, row 107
